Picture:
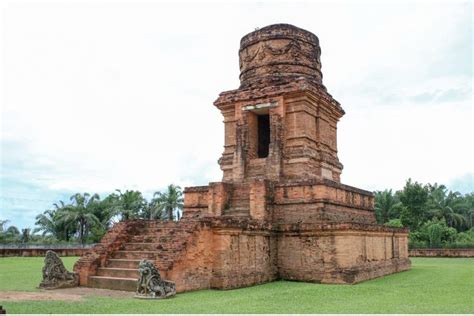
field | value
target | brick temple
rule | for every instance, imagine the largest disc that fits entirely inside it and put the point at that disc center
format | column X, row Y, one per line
column 280, row 211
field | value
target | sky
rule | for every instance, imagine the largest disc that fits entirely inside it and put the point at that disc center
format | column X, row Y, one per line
column 103, row 95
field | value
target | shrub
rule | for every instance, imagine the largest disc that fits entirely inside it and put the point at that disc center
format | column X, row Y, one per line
column 396, row 222
column 437, row 234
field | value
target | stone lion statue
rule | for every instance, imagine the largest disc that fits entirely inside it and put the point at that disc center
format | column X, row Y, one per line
column 150, row 284
column 55, row 275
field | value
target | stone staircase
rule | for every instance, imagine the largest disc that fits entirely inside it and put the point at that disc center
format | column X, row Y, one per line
column 256, row 168
column 240, row 201
column 161, row 242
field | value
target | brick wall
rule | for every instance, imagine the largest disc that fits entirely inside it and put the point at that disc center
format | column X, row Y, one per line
column 340, row 253
column 467, row 252
column 259, row 193
column 243, row 258
column 41, row 252
column 192, row 268
column 316, row 200
column 196, row 201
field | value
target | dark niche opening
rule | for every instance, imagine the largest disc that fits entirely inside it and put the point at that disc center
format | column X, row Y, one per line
column 263, row 135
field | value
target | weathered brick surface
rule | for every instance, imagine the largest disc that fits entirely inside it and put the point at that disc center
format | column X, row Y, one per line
column 41, row 252
column 243, row 259
column 461, row 252
column 87, row 265
column 279, row 53
column 284, row 214
column 259, row 199
column 340, row 253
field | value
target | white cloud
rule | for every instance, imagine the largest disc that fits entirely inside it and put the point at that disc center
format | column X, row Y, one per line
column 98, row 96
column 384, row 146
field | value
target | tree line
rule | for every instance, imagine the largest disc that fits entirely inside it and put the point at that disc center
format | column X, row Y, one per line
column 87, row 217
column 436, row 216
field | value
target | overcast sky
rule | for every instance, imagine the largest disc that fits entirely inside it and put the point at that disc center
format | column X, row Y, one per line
column 98, row 96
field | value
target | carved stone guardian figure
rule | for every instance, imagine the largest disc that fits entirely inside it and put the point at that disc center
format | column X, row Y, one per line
column 150, row 284
column 55, row 275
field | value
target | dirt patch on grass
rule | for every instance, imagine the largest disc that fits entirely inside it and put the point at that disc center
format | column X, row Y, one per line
column 38, row 296
column 87, row 291
column 70, row 294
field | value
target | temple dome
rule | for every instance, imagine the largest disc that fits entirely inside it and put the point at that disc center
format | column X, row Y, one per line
column 277, row 54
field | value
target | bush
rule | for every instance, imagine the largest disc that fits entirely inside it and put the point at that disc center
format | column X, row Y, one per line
column 436, row 234
column 396, row 222
column 417, row 244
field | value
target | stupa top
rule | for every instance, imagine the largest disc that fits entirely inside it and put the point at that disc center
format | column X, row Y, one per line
column 279, row 53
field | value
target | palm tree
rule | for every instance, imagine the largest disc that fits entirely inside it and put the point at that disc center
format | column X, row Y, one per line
column 469, row 218
column 168, row 203
column 104, row 210
column 8, row 234
column 50, row 224
column 387, row 206
column 2, row 224
column 46, row 224
column 446, row 206
column 437, row 191
column 468, row 210
column 25, row 235
column 80, row 214
column 128, row 204
column 12, row 233
column 155, row 209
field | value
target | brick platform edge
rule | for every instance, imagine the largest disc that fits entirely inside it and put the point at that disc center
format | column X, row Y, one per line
column 41, row 252
column 461, row 253
column 230, row 252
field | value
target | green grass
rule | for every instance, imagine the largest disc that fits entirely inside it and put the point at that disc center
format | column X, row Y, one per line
column 434, row 285
column 24, row 273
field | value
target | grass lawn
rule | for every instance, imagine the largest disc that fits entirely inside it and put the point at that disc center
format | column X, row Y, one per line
column 434, row 285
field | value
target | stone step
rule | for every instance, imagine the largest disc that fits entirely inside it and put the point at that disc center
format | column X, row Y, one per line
column 245, row 195
column 105, row 282
column 157, row 237
column 138, row 255
column 237, row 214
column 123, row 263
column 118, row 273
column 164, row 256
column 143, row 239
column 241, row 193
column 161, row 250
column 241, row 190
column 160, row 242
column 148, row 246
column 235, row 211
column 240, row 204
column 255, row 172
column 256, row 168
column 165, row 229
column 162, row 223
column 240, row 197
